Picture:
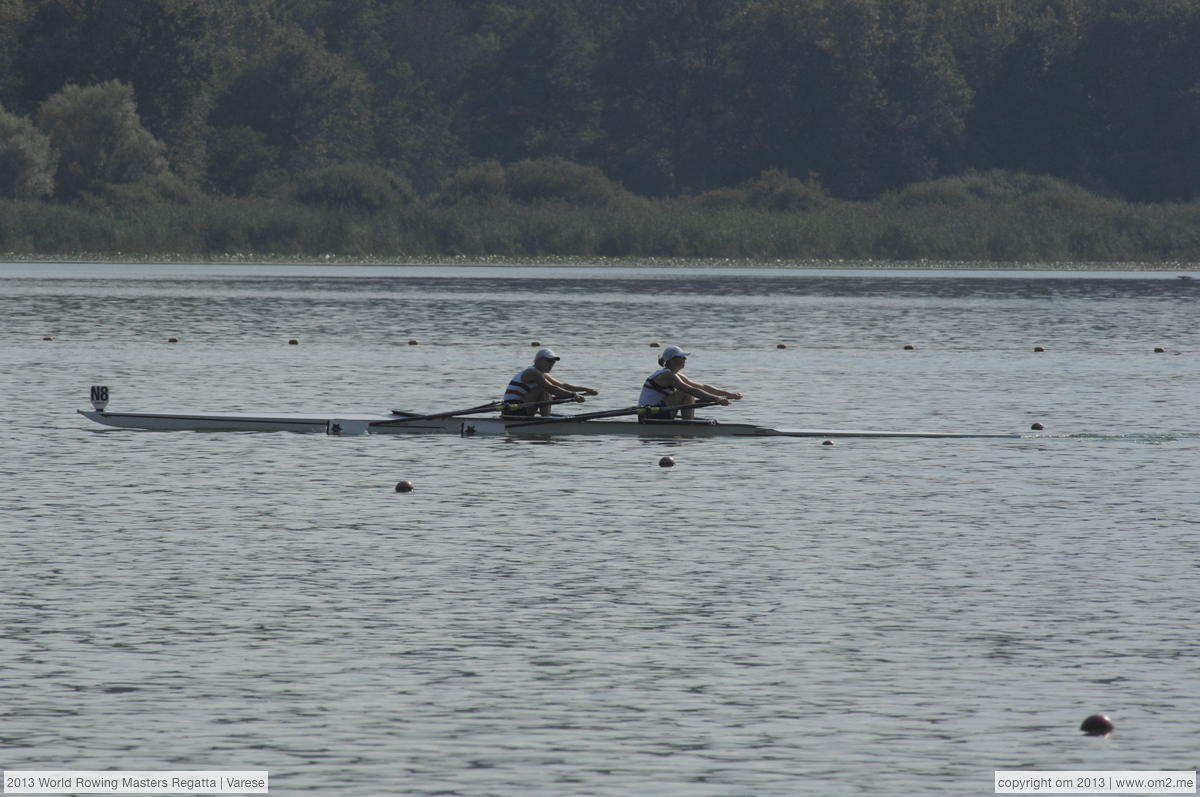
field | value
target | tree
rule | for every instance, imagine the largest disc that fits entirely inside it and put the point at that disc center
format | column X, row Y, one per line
column 1139, row 67
column 797, row 83
column 26, row 160
column 533, row 96
column 669, row 88
column 1032, row 115
column 416, row 55
column 311, row 106
column 926, row 98
column 173, row 52
column 14, row 15
column 99, row 138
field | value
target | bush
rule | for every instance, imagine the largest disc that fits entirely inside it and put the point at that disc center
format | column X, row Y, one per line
column 561, row 180
column 99, row 138
column 721, row 199
column 237, row 158
column 775, row 191
column 772, row 191
column 992, row 185
column 950, row 192
column 360, row 186
column 26, row 160
column 161, row 188
column 480, row 184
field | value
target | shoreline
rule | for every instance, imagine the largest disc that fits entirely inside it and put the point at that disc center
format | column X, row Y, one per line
column 583, row 261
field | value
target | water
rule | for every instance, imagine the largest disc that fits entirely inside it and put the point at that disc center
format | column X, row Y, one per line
column 565, row 617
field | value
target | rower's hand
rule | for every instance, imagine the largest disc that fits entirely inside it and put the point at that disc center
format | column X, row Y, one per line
column 591, row 391
column 578, row 399
column 724, row 402
column 735, row 395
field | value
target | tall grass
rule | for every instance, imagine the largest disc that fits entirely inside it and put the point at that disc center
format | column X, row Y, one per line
column 979, row 217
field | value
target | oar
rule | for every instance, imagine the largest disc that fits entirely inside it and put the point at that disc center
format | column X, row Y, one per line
column 512, row 406
column 493, row 406
column 640, row 409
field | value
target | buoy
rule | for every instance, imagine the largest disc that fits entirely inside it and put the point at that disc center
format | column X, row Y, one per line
column 293, row 342
column 535, row 343
column 666, row 462
column 47, row 337
column 1037, row 427
column 1097, row 725
column 827, row 443
column 654, row 344
column 414, row 342
column 909, row 347
column 172, row 340
column 1038, row 348
column 404, row 486
column 1157, row 349
column 781, row 345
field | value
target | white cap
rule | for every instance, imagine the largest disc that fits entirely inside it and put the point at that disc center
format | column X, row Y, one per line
column 671, row 352
column 546, row 354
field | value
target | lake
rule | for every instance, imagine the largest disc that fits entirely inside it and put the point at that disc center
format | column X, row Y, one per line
column 563, row 616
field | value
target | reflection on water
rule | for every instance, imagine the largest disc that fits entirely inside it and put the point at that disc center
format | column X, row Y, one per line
column 769, row 617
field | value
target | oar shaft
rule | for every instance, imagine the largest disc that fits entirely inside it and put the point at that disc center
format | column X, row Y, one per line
column 493, row 406
column 663, row 409
column 490, row 407
column 512, row 407
column 586, row 416
column 638, row 410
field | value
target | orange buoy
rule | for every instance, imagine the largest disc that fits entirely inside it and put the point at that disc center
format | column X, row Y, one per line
column 404, row 486
column 1097, row 725
column 667, row 462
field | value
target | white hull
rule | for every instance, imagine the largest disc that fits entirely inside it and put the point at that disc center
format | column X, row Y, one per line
column 350, row 423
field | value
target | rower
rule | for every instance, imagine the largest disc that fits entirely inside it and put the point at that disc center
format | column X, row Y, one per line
column 534, row 383
column 668, row 387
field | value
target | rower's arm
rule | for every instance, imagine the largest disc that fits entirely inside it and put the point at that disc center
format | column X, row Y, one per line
column 559, row 389
column 705, row 391
column 591, row 391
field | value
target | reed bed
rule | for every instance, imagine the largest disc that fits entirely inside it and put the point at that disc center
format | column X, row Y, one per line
column 1005, row 218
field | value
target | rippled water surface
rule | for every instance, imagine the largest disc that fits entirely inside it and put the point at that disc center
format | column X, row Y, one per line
column 563, row 616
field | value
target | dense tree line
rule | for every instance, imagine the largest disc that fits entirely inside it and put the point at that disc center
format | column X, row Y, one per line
column 370, row 100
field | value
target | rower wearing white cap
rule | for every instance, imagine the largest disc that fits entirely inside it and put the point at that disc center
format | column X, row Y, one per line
column 534, row 383
column 668, row 387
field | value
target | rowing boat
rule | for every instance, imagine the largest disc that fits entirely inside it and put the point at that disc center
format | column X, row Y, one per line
column 398, row 422
column 361, row 423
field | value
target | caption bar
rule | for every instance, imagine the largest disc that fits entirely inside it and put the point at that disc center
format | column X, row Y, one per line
column 1096, row 782
column 212, row 781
